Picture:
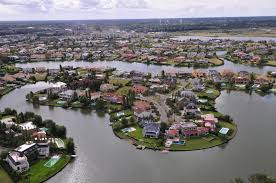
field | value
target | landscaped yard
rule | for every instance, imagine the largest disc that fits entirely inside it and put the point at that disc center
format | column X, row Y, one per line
column 118, row 81
column 209, row 93
column 271, row 63
column 5, row 91
column 4, row 177
column 215, row 61
column 140, row 140
column 232, row 127
column 195, row 143
column 40, row 76
column 39, row 173
column 123, row 91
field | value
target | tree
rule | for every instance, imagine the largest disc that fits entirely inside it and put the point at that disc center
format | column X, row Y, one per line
column 35, row 100
column 37, row 120
column 264, row 88
column 124, row 122
column 163, row 74
column 84, row 100
column 260, row 178
column 163, row 127
column 70, row 147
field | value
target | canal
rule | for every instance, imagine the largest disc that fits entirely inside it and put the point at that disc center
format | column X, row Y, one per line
column 103, row 158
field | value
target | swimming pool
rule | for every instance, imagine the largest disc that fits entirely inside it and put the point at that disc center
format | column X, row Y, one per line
column 181, row 142
column 51, row 162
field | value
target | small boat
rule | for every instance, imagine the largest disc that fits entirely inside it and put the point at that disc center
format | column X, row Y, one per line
column 110, row 124
column 74, row 156
column 140, row 147
column 165, row 151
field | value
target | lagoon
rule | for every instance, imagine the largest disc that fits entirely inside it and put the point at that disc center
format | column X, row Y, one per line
column 104, row 158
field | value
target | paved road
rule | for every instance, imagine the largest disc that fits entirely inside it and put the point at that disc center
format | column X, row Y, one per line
column 159, row 101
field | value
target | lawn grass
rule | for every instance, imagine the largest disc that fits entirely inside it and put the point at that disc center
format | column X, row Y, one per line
column 271, row 63
column 196, row 143
column 5, row 91
column 140, row 140
column 215, row 61
column 40, row 76
column 123, row 91
column 215, row 113
column 119, row 81
column 39, row 173
column 215, row 93
column 4, row 177
column 231, row 126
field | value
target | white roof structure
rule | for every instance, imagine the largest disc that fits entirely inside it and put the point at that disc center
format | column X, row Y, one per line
column 24, row 147
column 27, row 126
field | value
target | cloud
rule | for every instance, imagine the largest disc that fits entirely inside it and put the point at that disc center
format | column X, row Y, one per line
column 90, row 9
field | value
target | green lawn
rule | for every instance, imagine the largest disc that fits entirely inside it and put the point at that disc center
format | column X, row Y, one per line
column 4, row 177
column 216, row 114
column 123, row 91
column 215, row 61
column 231, row 126
column 195, row 143
column 140, row 140
column 209, row 93
column 40, row 76
column 39, row 173
column 118, row 81
column 271, row 63
column 5, row 91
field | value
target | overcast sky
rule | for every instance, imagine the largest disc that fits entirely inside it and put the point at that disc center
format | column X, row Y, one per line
column 122, row 9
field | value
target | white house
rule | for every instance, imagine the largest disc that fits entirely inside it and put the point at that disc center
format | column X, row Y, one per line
column 17, row 161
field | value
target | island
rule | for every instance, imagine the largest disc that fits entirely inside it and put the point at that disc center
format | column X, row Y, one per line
column 37, row 149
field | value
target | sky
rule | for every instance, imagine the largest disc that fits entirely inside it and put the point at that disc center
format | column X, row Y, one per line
column 131, row 9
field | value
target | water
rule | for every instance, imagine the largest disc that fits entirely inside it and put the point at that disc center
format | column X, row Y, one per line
column 154, row 69
column 103, row 158
column 234, row 38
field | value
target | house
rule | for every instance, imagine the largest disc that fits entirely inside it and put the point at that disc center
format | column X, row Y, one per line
column 191, row 110
column 19, row 158
column 28, row 127
column 53, row 72
column 142, row 115
column 209, row 121
column 261, row 80
column 107, row 87
column 40, row 69
column 151, row 130
column 198, row 74
column 189, row 129
column 240, row 80
column 172, row 133
column 9, row 122
column 139, row 89
column 28, row 70
column 56, row 88
column 140, row 106
column 113, row 98
column 67, row 95
column 159, row 88
column 202, row 131
column 17, row 161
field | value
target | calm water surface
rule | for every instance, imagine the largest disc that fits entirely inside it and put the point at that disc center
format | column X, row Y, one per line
column 154, row 69
column 234, row 38
column 103, row 158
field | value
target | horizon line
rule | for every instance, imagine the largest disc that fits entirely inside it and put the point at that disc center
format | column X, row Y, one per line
column 156, row 18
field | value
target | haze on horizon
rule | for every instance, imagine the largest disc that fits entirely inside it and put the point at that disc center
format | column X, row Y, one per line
column 131, row 9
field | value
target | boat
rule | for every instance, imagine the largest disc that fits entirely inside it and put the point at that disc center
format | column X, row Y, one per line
column 74, row 156
column 165, row 151
column 110, row 124
column 140, row 147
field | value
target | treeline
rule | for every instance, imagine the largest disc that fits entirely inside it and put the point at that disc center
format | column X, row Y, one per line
column 10, row 138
